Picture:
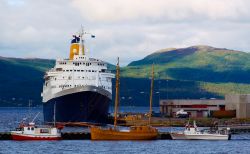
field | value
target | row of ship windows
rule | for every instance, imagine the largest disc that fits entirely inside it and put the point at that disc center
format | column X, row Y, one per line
column 80, row 71
column 100, row 64
column 64, row 86
column 92, row 78
column 87, row 78
column 81, row 58
column 79, row 63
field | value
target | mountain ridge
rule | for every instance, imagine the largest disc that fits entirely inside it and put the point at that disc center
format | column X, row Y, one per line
column 193, row 72
column 178, row 52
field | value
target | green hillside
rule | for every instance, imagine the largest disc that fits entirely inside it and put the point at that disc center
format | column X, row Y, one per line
column 34, row 63
column 196, row 63
column 193, row 72
column 21, row 80
column 213, row 72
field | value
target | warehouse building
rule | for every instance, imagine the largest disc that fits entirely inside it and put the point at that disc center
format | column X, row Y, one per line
column 240, row 103
column 234, row 105
column 194, row 107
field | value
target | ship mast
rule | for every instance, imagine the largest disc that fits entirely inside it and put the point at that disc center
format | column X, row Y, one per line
column 81, row 35
column 117, row 92
column 151, row 96
column 82, row 32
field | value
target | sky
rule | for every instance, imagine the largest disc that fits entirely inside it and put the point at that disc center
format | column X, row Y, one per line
column 129, row 29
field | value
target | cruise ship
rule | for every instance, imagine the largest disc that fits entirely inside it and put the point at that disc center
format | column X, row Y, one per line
column 80, row 87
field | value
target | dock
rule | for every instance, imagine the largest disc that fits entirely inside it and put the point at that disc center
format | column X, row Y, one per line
column 80, row 136
column 238, row 129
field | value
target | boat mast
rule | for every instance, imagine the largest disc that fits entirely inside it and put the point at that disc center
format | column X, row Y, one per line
column 151, row 96
column 54, row 118
column 29, row 109
column 117, row 92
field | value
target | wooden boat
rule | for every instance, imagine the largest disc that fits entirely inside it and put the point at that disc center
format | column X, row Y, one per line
column 134, row 132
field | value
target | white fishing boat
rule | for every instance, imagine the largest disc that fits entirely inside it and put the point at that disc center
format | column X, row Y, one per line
column 31, row 131
column 192, row 132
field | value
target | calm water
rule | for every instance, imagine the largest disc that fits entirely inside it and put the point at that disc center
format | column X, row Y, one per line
column 9, row 118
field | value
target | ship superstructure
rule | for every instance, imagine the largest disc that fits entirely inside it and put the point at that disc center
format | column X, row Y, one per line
column 80, row 86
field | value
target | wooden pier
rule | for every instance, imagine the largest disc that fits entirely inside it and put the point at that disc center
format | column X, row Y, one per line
column 5, row 136
column 238, row 129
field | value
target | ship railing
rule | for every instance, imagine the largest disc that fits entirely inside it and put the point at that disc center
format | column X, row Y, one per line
column 93, row 59
column 54, row 70
column 107, row 72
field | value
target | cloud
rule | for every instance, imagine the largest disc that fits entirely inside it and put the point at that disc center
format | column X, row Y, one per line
column 125, row 28
column 163, row 10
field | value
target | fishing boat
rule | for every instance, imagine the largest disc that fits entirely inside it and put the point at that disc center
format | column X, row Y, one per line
column 34, row 132
column 146, row 132
column 31, row 131
column 192, row 132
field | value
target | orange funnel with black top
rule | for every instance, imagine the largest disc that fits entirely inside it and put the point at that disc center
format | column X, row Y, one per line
column 75, row 47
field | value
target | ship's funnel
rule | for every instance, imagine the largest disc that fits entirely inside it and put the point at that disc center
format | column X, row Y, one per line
column 74, row 50
column 75, row 47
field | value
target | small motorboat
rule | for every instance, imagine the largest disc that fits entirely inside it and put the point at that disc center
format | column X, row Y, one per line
column 31, row 131
column 192, row 132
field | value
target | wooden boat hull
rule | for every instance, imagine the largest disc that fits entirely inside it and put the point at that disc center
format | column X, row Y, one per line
column 111, row 134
